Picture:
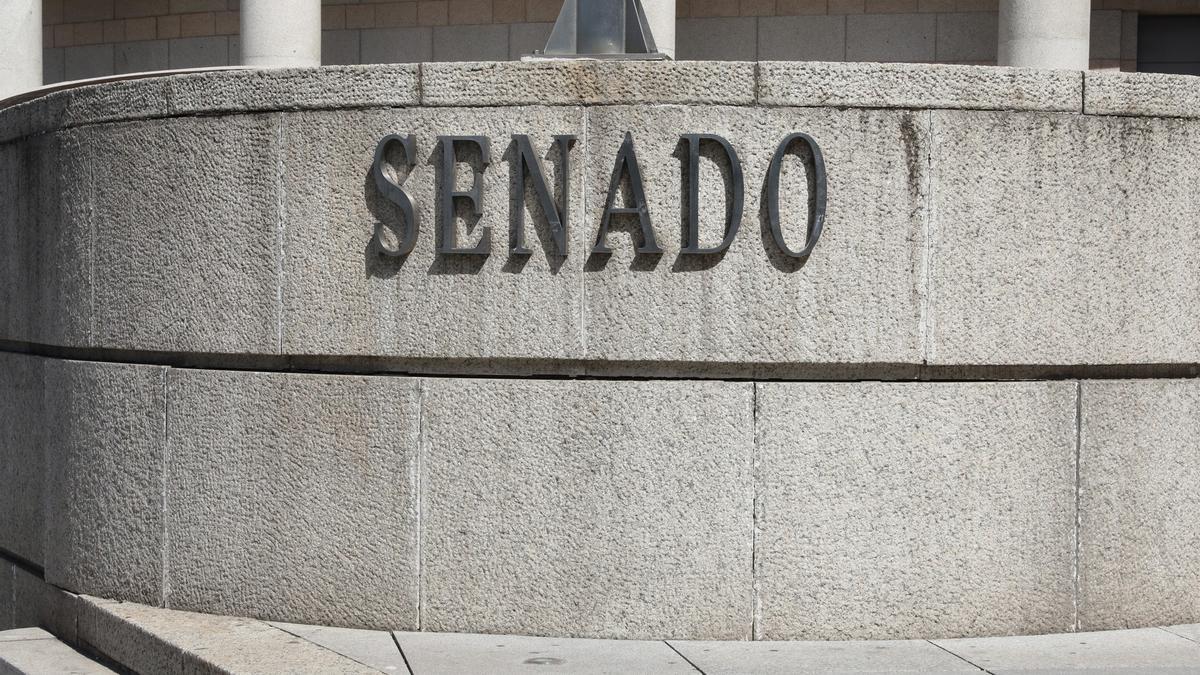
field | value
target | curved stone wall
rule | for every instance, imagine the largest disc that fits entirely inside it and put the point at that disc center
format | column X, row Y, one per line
column 219, row 394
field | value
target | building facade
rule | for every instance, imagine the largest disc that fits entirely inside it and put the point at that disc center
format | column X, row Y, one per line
column 86, row 38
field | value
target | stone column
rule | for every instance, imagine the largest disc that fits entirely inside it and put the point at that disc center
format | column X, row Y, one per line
column 1041, row 34
column 281, row 33
column 20, row 46
column 660, row 14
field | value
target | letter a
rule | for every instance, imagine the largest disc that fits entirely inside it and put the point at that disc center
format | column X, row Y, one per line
column 627, row 161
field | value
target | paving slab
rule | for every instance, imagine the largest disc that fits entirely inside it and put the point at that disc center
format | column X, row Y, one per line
column 16, row 634
column 434, row 653
column 43, row 653
column 152, row 640
column 1140, row 650
column 1190, row 631
column 864, row 656
column 374, row 648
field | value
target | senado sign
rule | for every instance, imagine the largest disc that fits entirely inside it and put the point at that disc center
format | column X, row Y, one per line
column 528, row 165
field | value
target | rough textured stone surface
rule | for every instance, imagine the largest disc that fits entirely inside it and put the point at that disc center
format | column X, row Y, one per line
column 151, row 640
column 195, row 266
column 239, row 91
column 22, row 457
column 88, row 104
column 898, row 85
column 43, row 654
column 1148, row 650
column 865, row 656
column 1063, row 239
column 293, row 497
column 61, row 258
column 579, row 82
column 17, row 230
column 1018, row 255
column 342, row 296
column 7, row 604
column 123, row 634
column 891, row 510
column 104, row 478
column 1139, row 494
column 230, row 90
column 374, row 648
column 1142, row 94
column 45, row 265
column 37, row 603
column 450, row 654
column 753, row 304
column 599, row 508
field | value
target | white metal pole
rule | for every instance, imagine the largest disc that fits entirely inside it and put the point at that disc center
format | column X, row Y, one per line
column 660, row 14
column 1045, row 33
column 20, row 46
column 281, row 33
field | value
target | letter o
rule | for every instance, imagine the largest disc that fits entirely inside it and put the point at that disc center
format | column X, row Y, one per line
column 816, row 220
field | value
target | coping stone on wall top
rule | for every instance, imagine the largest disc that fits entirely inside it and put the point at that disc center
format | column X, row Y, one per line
column 918, row 85
column 1141, row 94
column 575, row 82
column 215, row 91
column 583, row 82
column 376, row 85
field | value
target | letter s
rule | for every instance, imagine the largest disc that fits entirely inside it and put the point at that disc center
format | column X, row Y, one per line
column 394, row 194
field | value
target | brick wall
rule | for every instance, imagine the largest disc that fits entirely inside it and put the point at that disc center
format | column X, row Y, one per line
column 91, row 38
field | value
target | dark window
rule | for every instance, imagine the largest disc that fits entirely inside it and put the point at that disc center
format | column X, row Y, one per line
column 1168, row 44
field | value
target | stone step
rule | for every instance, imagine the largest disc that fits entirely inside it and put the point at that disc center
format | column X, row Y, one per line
column 144, row 639
column 33, row 651
column 152, row 640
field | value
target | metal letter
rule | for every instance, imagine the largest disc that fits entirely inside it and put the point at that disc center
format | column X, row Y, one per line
column 449, row 172
column 817, row 219
column 627, row 160
column 733, row 217
column 394, row 194
column 529, row 164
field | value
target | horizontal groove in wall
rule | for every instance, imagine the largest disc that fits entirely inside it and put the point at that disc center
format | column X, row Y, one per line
column 51, row 129
column 29, row 566
column 567, row 369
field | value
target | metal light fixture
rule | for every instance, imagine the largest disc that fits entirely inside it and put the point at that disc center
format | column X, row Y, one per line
column 601, row 29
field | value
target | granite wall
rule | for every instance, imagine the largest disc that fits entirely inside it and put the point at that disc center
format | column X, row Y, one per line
column 969, row 412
